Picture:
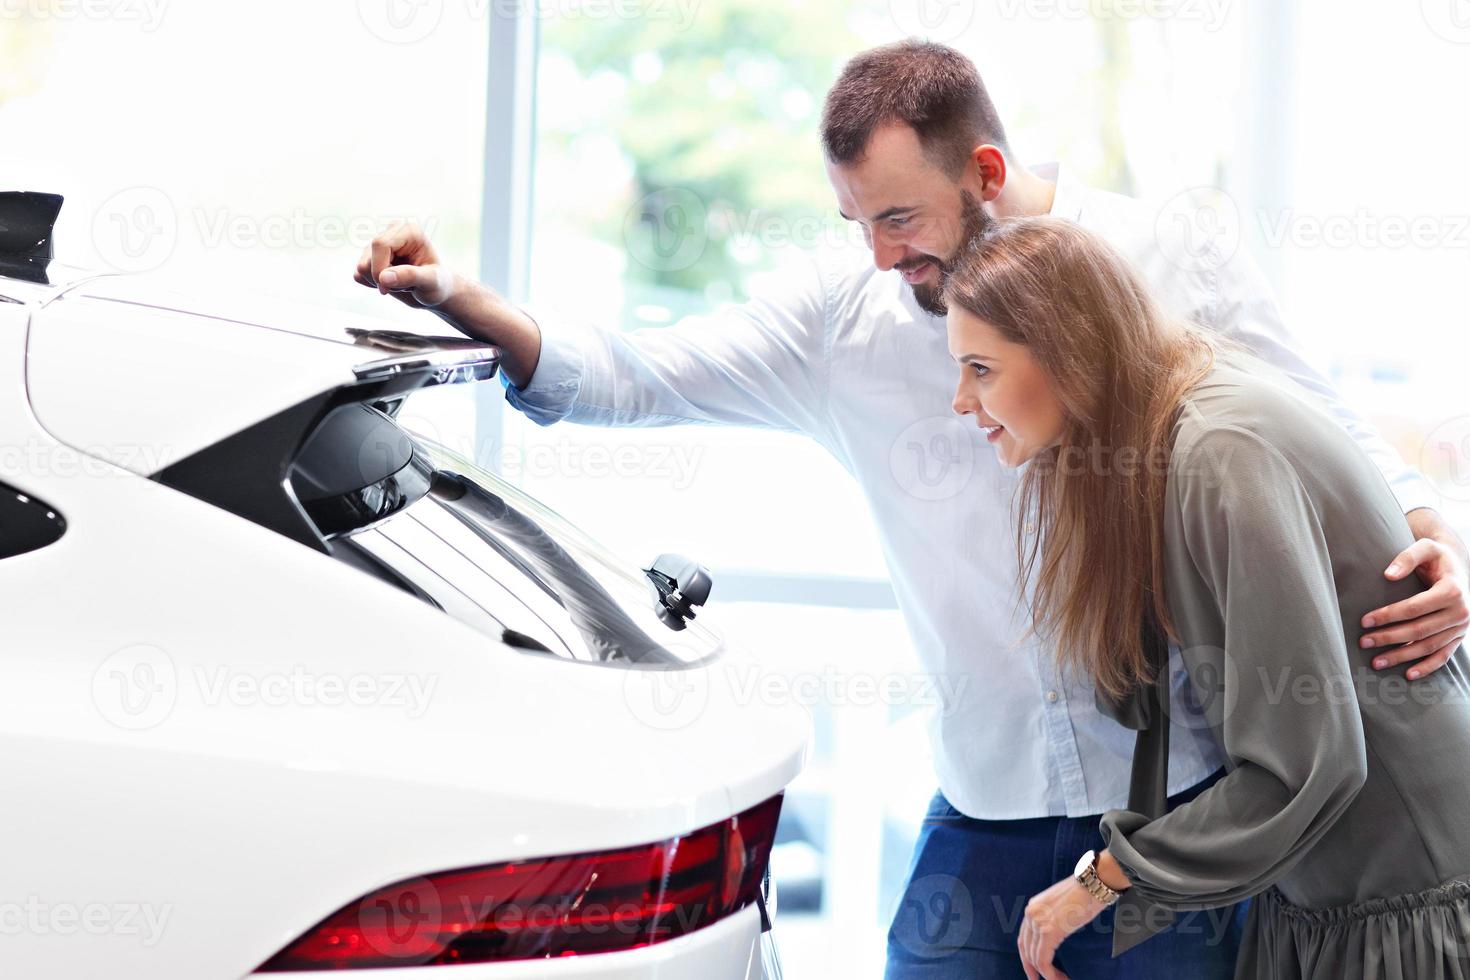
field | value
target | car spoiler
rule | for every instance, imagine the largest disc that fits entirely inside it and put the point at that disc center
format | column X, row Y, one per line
column 250, row 473
column 27, row 224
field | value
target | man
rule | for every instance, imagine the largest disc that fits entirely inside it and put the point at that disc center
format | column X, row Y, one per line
column 856, row 358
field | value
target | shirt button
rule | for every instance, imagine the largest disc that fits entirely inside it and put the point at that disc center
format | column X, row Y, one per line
column 1052, row 695
column 1030, row 527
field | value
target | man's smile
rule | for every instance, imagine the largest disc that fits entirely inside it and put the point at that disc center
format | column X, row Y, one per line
column 918, row 272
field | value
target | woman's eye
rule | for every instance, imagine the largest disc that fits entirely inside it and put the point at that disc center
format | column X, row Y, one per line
column 980, row 370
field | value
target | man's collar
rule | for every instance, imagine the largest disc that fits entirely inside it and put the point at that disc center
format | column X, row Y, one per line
column 1065, row 202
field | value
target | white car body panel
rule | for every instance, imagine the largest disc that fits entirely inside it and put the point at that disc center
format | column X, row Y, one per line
column 138, row 777
column 143, row 362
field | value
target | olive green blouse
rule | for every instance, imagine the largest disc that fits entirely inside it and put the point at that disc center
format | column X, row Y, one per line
column 1346, row 800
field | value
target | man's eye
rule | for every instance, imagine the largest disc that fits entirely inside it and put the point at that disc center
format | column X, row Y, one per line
column 899, row 222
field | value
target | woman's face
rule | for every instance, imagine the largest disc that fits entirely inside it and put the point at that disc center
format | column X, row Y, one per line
column 1004, row 387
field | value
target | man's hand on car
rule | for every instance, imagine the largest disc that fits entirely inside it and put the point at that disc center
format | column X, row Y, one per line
column 401, row 262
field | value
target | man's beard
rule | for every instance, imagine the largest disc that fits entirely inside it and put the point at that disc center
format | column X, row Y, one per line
column 973, row 223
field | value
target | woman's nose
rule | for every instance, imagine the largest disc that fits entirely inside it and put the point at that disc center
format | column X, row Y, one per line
column 964, row 403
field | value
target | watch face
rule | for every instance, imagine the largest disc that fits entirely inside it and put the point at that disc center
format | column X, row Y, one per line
column 1084, row 863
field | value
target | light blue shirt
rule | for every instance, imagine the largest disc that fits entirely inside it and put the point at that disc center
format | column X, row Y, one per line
column 840, row 352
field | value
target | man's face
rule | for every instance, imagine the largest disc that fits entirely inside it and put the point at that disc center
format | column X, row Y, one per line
column 915, row 217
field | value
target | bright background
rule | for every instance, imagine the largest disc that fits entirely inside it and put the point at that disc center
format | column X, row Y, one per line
column 625, row 162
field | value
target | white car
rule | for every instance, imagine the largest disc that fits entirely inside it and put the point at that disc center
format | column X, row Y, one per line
column 285, row 688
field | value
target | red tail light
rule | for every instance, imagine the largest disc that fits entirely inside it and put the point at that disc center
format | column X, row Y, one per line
column 559, row 906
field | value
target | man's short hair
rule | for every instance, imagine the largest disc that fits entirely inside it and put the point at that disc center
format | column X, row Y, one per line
column 933, row 89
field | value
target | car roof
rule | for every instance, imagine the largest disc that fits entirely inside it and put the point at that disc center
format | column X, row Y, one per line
column 208, row 304
column 179, row 370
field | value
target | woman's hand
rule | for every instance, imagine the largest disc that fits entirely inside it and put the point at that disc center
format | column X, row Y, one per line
column 1051, row 917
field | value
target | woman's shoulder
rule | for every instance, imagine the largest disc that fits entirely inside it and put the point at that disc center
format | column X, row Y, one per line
column 1244, row 405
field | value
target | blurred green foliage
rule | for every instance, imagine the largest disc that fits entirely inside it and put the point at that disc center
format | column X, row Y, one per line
column 725, row 106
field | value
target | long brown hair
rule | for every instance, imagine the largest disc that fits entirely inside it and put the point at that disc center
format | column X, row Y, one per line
column 1120, row 366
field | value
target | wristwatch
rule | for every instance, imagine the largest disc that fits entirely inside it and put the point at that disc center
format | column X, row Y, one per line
column 1086, row 873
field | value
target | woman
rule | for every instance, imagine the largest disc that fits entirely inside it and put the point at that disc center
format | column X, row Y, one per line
column 1183, row 488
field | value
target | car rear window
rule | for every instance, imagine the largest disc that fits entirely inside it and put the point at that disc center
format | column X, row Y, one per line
column 512, row 567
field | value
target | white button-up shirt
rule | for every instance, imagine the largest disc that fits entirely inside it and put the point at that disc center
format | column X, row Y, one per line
column 840, row 352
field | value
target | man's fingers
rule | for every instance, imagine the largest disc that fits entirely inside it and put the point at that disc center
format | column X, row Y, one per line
column 1436, row 597
column 1437, row 659
column 1440, row 648
column 382, row 259
column 400, row 278
column 1411, row 631
column 431, row 285
column 364, row 271
column 1428, row 625
column 396, row 241
column 1411, row 558
column 402, row 245
column 1421, row 648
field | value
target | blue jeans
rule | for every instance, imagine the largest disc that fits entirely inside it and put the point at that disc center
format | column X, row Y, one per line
column 966, row 895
